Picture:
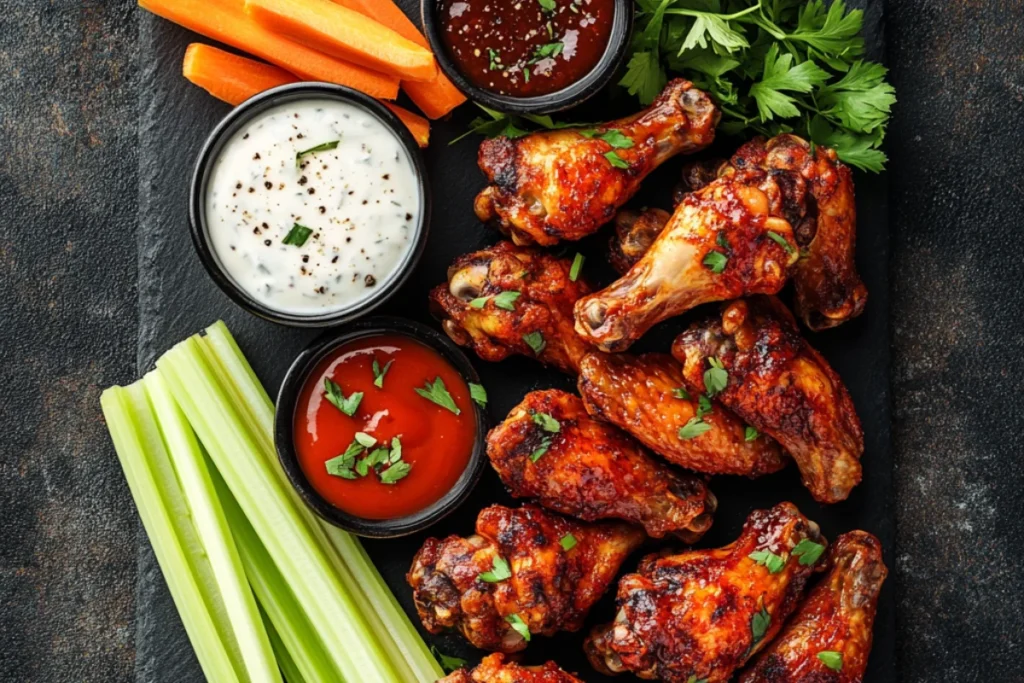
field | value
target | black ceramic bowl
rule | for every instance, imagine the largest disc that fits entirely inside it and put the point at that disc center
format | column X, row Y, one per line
column 570, row 96
column 211, row 150
column 284, row 424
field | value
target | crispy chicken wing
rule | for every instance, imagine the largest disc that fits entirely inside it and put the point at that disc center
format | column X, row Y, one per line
column 782, row 387
column 726, row 240
column 635, row 232
column 701, row 614
column 642, row 395
column 497, row 668
column 537, row 306
column 565, row 184
column 829, row 638
column 550, row 449
column 517, row 569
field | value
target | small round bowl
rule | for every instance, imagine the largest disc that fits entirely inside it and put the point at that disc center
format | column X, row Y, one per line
column 570, row 96
column 227, row 127
column 284, row 425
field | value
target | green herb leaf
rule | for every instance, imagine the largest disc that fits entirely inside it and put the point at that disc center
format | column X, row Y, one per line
column 693, row 428
column 766, row 558
column 334, row 395
column 723, row 241
column 395, row 472
column 781, row 74
column 693, row 679
column 494, row 57
column 577, row 266
column 499, row 571
column 323, row 147
column 547, row 423
column 588, row 133
column 479, row 302
column 365, row 440
column 616, row 160
column 341, row 465
column 396, row 450
column 507, row 300
column 448, row 663
column 781, row 241
column 808, row 551
column 715, row 261
column 704, row 406
column 548, row 5
column 645, row 76
column 537, row 454
column 379, row 372
column 478, row 393
column 617, row 139
column 749, row 434
column 438, row 393
column 526, row 74
column 568, row 542
column 681, row 393
column 831, row 659
column 759, row 625
column 535, row 340
column 297, row 236
column 715, row 378
column 519, row 626
column 547, row 50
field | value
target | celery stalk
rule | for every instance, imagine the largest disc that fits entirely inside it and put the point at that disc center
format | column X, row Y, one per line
column 290, row 672
column 138, row 444
column 214, row 533
column 270, row 508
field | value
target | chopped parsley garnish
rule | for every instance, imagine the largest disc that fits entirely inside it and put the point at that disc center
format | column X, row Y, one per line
column 723, row 241
column 341, row 465
column 715, row 377
column 365, row 440
column 577, row 266
column 539, row 452
column 297, row 236
column 766, row 558
column 535, row 340
column 704, row 406
column 548, row 5
column 334, row 395
column 495, row 59
column 588, row 133
column 568, row 542
column 715, row 261
column 438, row 393
column 693, row 679
column 379, row 372
column 499, row 571
column 681, row 393
column 615, row 160
column 396, row 450
column 526, row 74
column 831, row 659
column 505, row 300
column 323, row 147
column 448, row 663
column 519, row 626
column 551, row 50
column 759, row 625
column 617, row 139
column 478, row 393
column 349, row 465
column 781, row 241
column 397, row 471
column 749, row 434
column 693, row 428
column 808, row 551
column 547, row 423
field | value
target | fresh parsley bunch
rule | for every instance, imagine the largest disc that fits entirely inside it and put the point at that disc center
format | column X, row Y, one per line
column 773, row 66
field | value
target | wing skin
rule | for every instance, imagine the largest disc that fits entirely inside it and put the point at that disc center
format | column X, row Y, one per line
column 498, row 668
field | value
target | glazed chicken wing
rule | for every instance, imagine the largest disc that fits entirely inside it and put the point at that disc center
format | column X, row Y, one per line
column 829, row 638
column 500, row 299
column 497, row 668
column 644, row 395
column 635, row 232
column 782, row 387
column 519, row 568
column 701, row 614
column 564, row 184
column 550, row 449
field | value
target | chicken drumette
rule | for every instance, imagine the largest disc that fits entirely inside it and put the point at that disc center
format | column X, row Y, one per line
column 497, row 668
column 701, row 614
column 550, row 449
column 507, row 300
column 519, row 569
column 645, row 396
column 565, row 184
column 829, row 638
column 778, row 384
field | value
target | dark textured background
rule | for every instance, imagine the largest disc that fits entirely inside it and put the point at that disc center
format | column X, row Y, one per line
column 80, row 93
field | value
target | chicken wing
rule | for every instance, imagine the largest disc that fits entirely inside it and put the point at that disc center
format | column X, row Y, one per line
column 520, row 569
column 635, row 232
column 829, row 638
column 644, row 395
column 497, row 668
column 550, row 449
column 724, row 241
column 565, row 184
column 701, row 614
column 782, row 387
column 507, row 300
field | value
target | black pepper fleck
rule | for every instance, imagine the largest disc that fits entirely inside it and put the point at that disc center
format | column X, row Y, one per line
column 323, row 209
column 370, row 280
column 303, row 180
column 267, row 242
column 269, row 185
column 311, row 190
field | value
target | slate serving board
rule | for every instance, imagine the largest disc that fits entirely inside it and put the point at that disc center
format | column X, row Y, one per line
column 176, row 299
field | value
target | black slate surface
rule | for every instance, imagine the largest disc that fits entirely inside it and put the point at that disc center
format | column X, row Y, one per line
column 72, row 88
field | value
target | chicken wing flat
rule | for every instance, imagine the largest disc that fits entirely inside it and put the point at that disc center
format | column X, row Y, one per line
column 497, row 668
column 519, row 569
column 565, row 184
column 550, row 449
column 829, row 638
column 727, row 240
column 644, row 395
column 701, row 614
column 507, row 300
column 782, row 387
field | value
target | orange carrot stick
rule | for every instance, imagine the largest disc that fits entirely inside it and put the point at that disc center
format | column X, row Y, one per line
column 338, row 31
column 417, row 125
column 226, row 21
column 436, row 97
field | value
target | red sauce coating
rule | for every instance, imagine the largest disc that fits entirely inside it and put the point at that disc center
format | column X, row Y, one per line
column 436, row 442
column 526, row 48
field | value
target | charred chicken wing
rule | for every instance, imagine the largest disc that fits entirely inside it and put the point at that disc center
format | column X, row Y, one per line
column 645, row 396
column 774, row 381
column 565, row 184
column 701, row 614
column 519, row 571
column 497, row 668
column 829, row 638
column 635, row 232
column 550, row 449
column 507, row 300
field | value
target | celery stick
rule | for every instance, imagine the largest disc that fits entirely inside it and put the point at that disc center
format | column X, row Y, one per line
column 214, row 533
column 288, row 669
column 137, row 442
column 270, row 508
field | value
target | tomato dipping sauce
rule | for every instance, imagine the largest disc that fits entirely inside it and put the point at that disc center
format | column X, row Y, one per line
column 526, row 48
column 398, row 452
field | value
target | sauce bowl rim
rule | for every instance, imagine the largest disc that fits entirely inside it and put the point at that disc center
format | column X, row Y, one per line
column 209, row 154
column 284, row 427
column 573, row 94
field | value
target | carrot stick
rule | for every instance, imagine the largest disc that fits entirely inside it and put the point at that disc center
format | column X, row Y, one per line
column 417, row 125
column 227, row 22
column 436, row 97
column 229, row 77
column 343, row 33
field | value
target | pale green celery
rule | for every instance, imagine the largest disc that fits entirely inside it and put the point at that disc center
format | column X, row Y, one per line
column 270, row 508
column 391, row 624
column 290, row 672
column 165, row 516
column 214, row 533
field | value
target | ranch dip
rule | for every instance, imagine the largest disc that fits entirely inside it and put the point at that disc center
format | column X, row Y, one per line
column 312, row 206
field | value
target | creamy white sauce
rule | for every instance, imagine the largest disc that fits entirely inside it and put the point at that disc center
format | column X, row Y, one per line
column 360, row 200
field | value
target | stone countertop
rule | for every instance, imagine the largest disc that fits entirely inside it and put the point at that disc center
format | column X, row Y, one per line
column 68, row 198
